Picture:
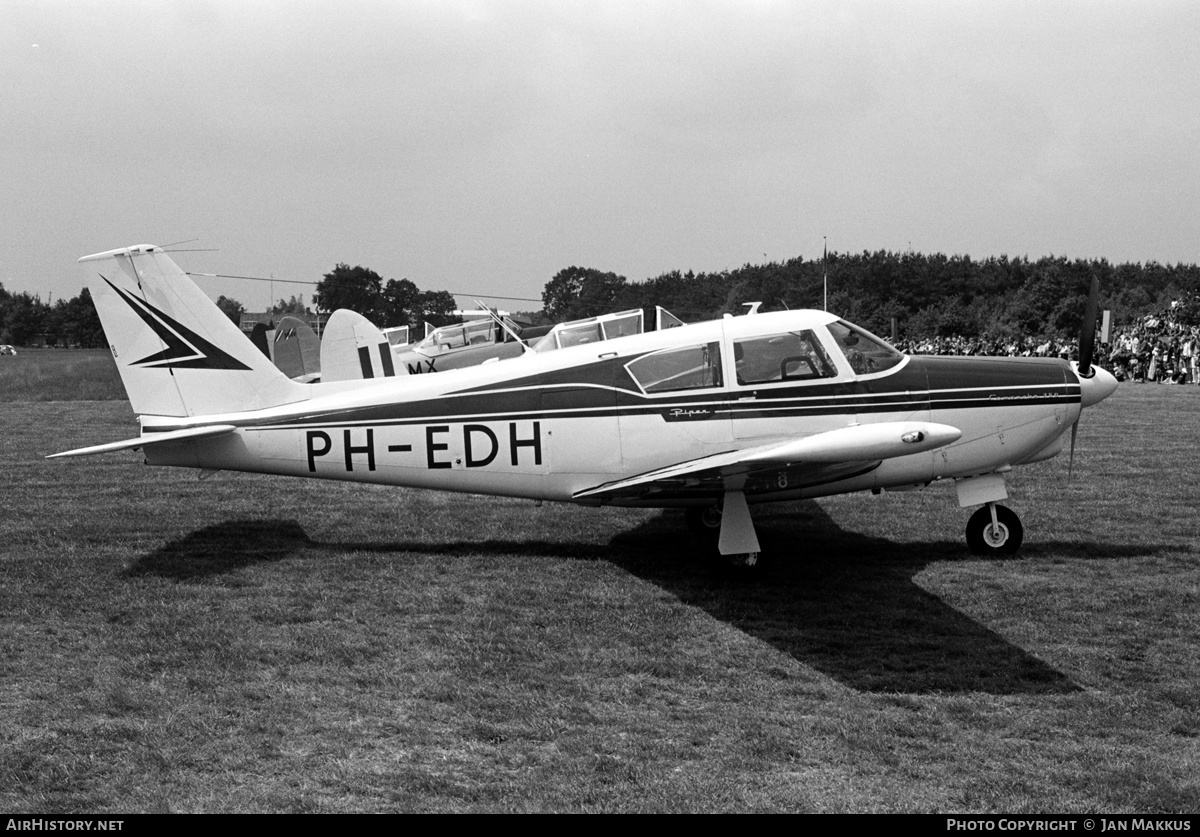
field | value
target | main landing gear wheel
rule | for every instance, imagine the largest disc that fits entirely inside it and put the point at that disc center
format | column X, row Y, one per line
column 744, row 559
column 704, row 520
column 1003, row 537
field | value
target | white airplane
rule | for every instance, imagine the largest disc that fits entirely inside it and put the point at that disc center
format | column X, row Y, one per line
column 713, row 417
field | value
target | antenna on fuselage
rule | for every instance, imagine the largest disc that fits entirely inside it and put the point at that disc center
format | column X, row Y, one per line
column 825, row 270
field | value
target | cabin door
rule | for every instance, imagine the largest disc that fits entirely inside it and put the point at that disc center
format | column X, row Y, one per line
column 787, row 386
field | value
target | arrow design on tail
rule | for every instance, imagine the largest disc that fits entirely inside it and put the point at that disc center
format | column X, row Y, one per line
column 184, row 348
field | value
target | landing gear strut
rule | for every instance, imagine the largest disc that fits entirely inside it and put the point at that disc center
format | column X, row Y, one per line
column 729, row 521
column 994, row 530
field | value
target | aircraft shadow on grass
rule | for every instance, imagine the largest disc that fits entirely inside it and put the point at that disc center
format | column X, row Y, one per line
column 847, row 604
column 222, row 548
column 842, row 603
column 225, row 547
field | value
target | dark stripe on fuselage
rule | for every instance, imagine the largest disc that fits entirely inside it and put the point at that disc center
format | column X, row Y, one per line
column 1040, row 382
column 605, row 391
column 994, row 372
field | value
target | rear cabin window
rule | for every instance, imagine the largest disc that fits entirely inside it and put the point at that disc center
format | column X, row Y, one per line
column 790, row 356
column 623, row 326
column 579, row 335
column 671, row 370
column 865, row 352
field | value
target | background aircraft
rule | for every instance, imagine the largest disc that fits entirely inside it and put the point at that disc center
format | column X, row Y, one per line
column 354, row 349
column 606, row 327
column 296, row 350
column 463, row 344
column 499, row 338
column 712, row 417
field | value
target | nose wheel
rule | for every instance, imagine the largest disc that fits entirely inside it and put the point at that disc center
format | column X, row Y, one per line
column 994, row 530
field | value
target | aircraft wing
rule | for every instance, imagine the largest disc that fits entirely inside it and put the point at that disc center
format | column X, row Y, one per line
column 813, row 460
column 151, row 439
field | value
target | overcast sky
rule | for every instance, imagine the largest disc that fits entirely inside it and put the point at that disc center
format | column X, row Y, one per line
column 483, row 146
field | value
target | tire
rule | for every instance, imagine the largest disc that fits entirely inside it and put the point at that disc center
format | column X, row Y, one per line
column 736, row 567
column 743, row 561
column 704, row 520
column 982, row 540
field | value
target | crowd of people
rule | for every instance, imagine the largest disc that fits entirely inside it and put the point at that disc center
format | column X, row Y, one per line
column 1158, row 348
column 959, row 345
column 1151, row 353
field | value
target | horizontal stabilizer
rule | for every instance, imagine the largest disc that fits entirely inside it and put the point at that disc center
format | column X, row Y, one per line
column 151, row 439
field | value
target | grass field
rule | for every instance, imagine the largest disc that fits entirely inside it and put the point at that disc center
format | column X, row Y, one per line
column 60, row 375
column 248, row 643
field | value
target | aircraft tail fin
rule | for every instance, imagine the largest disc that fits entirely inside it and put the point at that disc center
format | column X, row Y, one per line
column 296, row 349
column 353, row 349
column 177, row 353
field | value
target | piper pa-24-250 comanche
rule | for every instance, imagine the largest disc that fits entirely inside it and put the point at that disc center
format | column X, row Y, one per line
column 713, row 417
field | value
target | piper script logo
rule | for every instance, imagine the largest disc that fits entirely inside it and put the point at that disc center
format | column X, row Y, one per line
column 185, row 349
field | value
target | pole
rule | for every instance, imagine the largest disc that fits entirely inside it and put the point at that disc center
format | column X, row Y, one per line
column 825, row 270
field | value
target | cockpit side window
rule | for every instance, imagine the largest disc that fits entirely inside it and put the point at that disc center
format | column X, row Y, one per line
column 790, row 356
column 671, row 370
column 442, row 340
column 865, row 352
column 481, row 332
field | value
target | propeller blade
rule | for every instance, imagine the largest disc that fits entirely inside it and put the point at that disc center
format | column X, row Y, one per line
column 1071, row 461
column 1087, row 349
column 1087, row 333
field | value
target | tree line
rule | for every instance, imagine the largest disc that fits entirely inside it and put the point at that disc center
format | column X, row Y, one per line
column 26, row 320
column 927, row 295
column 387, row 304
column 999, row 298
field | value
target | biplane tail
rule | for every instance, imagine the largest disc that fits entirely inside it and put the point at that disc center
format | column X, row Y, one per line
column 177, row 353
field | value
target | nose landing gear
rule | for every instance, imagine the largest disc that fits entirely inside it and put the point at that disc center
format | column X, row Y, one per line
column 994, row 530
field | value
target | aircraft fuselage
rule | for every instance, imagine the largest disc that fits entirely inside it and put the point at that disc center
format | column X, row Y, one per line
column 550, row 426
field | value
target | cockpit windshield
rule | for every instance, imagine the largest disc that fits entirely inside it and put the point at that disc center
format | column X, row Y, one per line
column 865, row 352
